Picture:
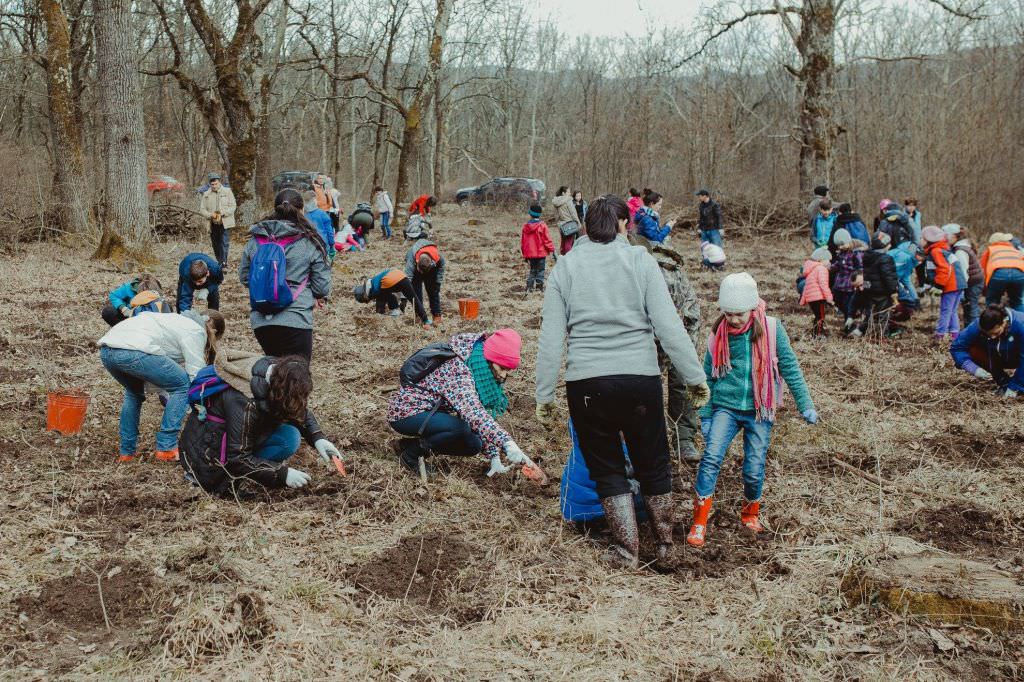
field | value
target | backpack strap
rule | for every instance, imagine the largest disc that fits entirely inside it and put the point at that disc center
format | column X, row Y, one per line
column 223, row 439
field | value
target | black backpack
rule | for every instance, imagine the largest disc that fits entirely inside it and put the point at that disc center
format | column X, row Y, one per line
column 423, row 362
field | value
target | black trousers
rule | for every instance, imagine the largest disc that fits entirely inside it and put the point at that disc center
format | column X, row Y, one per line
column 387, row 299
column 220, row 239
column 433, row 290
column 278, row 341
column 112, row 315
column 601, row 409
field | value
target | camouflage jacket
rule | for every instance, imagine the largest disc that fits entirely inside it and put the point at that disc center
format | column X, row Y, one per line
column 679, row 287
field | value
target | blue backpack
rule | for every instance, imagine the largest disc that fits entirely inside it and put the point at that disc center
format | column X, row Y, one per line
column 269, row 291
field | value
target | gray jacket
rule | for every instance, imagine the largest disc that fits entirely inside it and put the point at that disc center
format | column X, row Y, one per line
column 610, row 301
column 304, row 261
column 410, row 260
column 566, row 209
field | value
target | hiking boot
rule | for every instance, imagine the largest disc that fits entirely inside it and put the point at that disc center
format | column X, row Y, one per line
column 698, row 531
column 436, row 319
column 409, row 452
column 621, row 518
column 688, row 452
column 748, row 516
column 662, row 514
column 167, row 455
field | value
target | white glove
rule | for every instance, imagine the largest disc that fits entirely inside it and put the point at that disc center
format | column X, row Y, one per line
column 982, row 373
column 1009, row 393
column 515, row 455
column 201, row 294
column 496, row 466
column 327, row 450
column 125, row 310
column 296, row 478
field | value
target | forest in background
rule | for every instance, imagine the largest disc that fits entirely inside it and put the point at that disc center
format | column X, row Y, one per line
column 758, row 101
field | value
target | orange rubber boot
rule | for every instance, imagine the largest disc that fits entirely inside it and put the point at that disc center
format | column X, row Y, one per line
column 748, row 516
column 167, row 455
column 125, row 458
column 701, row 510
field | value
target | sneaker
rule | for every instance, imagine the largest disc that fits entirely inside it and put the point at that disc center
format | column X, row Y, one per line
column 126, row 458
column 167, row 455
column 395, row 313
column 856, row 333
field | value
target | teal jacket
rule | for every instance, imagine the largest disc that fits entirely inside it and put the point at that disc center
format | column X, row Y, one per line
column 735, row 390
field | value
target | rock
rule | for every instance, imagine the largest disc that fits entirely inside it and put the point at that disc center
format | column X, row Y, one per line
column 474, row 221
column 940, row 588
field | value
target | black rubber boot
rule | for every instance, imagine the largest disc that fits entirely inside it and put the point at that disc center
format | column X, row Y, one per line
column 621, row 518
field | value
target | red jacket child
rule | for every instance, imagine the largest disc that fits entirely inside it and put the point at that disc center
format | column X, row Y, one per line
column 422, row 205
column 536, row 242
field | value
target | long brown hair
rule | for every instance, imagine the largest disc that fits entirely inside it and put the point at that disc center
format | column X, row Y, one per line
column 288, row 205
column 214, row 331
column 290, row 386
column 756, row 329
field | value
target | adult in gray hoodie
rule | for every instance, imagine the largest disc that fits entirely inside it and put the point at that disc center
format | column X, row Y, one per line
column 290, row 331
column 608, row 301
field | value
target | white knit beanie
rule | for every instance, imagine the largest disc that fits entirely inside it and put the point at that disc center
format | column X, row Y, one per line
column 951, row 229
column 841, row 237
column 738, row 293
column 821, row 254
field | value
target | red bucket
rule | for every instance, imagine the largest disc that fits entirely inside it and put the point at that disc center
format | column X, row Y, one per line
column 65, row 411
column 469, row 308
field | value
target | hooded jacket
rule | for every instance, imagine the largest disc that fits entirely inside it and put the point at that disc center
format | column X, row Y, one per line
column 822, row 229
column 965, row 251
column 1005, row 351
column 413, row 253
column 852, row 223
column 709, row 215
column 304, row 262
column 949, row 275
column 177, row 337
column 879, row 272
column 896, row 224
column 648, row 224
column 566, row 209
column 185, row 288
column 247, row 421
column 815, row 283
column 536, row 240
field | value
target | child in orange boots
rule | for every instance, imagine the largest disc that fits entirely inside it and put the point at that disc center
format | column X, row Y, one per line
column 748, row 358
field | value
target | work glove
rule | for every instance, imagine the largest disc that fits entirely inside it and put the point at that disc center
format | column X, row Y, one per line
column 125, row 310
column 810, row 416
column 935, row 291
column 698, row 395
column 327, row 450
column 546, row 415
column 1009, row 393
column 201, row 294
column 982, row 373
column 296, row 479
column 705, row 428
column 515, row 455
column 496, row 466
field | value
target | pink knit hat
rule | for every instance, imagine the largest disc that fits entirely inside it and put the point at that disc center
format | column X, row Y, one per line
column 932, row 234
column 884, row 203
column 502, row 348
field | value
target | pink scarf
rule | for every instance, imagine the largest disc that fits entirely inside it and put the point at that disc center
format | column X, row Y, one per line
column 764, row 365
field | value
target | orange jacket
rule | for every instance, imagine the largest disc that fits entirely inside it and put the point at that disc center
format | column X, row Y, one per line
column 1000, row 255
column 324, row 200
column 420, row 205
column 945, row 271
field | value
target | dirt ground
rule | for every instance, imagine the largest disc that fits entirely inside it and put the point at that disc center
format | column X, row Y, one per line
column 127, row 571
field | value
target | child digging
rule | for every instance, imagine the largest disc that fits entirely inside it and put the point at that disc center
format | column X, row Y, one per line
column 536, row 246
column 816, row 292
column 949, row 279
column 747, row 359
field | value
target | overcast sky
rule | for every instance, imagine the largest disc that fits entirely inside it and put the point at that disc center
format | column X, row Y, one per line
column 611, row 17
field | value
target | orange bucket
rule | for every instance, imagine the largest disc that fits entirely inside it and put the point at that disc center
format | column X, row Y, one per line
column 469, row 308
column 65, row 411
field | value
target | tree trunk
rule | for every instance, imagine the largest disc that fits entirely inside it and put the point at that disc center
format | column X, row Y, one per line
column 818, row 130
column 440, row 144
column 70, row 186
column 125, row 216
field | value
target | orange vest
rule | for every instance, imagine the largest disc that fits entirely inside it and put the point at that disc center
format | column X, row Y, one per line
column 391, row 279
column 1001, row 255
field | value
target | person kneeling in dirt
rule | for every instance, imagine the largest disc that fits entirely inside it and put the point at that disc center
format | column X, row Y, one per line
column 120, row 307
column 383, row 289
column 199, row 277
column 249, row 415
column 151, row 349
column 450, row 398
column 991, row 347
column 424, row 266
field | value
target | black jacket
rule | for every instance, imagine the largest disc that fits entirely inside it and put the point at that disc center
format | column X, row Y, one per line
column 247, row 422
column 710, row 215
column 879, row 274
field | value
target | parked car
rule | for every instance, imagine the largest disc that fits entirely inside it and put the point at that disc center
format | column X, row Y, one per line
column 298, row 180
column 164, row 184
column 502, row 192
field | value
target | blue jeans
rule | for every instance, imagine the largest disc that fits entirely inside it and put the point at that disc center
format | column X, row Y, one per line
column 445, row 433
column 132, row 369
column 906, row 293
column 1009, row 281
column 725, row 424
column 385, row 224
column 712, row 236
column 282, row 443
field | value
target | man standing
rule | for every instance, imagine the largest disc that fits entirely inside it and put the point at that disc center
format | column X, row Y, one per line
column 217, row 206
column 710, row 221
column 820, row 194
column 325, row 199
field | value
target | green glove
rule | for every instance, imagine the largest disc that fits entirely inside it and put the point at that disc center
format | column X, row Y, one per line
column 547, row 415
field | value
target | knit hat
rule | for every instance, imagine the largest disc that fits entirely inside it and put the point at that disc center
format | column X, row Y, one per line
column 883, row 204
column 951, row 229
column 1000, row 237
column 360, row 292
column 820, row 190
column 738, row 293
column 536, row 210
column 821, row 254
column 932, row 234
column 502, row 348
column 841, row 237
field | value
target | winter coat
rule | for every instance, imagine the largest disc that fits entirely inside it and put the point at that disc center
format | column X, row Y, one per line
column 452, row 384
column 815, row 283
column 414, row 253
column 321, row 220
column 176, row 337
column 904, row 260
column 185, row 288
column 852, row 223
column 566, row 210
column 247, row 421
column 304, row 263
column 123, row 295
column 1008, row 350
column 813, row 211
column 975, row 275
column 880, row 279
column 915, row 225
column 709, row 215
column 536, row 240
column 846, row 266
column 634, row 204
column 1000, row 255
column 683, row 295
column 735, row 390
column 896, row 224
column 419, row 206
column 222, row 201
column 648, row 224
column 821, row 230
column 382, row 202
column 949, row 275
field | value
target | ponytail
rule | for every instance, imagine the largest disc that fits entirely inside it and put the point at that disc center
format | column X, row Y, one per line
column 288, row 206
column 214, row 331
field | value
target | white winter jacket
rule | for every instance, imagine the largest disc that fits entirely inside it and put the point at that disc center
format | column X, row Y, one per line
column 174, row 336
column 382, row 202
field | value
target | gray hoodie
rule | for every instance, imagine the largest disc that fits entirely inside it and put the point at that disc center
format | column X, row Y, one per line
column 410, row 260
column 304, row 261
column 611, row 301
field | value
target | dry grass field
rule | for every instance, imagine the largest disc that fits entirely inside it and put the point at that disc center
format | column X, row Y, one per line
column 126, row 571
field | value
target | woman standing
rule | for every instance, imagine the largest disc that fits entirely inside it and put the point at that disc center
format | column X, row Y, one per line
column 569, row 223
column 609, row 301
column 286, row 329
column 580, row 206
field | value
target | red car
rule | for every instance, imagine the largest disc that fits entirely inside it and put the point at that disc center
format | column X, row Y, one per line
column 164, row 184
